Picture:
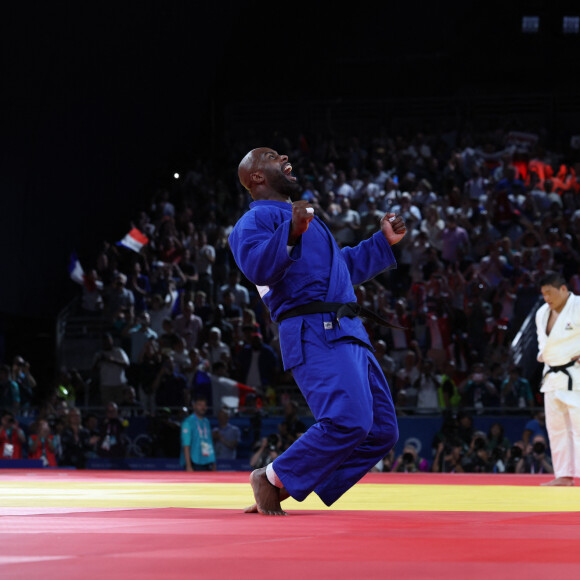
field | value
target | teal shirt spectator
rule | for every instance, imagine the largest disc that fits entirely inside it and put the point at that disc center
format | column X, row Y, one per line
column 197, row 434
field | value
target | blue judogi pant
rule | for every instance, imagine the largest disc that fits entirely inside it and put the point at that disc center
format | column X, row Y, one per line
column 356, row 421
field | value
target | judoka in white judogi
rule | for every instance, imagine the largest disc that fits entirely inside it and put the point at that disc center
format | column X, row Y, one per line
column 559, row 350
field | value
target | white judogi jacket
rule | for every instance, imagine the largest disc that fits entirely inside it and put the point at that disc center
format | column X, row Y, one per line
column 561, row 345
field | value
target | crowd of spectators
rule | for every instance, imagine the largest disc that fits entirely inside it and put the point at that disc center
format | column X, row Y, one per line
column 487, row 215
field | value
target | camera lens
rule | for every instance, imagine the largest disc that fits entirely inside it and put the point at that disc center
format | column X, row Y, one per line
column 539, row 448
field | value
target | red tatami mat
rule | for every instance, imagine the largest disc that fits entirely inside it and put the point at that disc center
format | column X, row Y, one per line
column 50, row 543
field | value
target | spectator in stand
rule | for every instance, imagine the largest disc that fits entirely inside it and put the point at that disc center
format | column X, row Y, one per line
column 454, row 241
column 449, row 457
column 188, row 325
column 407, row 375
column 165, row 283
column 291, row 426
column 170, row 249
column 188, row 271
column 226, row 437
column 136, row 337
column 231, row 311
column 160, row 309
column 92, row 294
column 401, row 340
column 205, row 259
column 182, row 358
column 386, row 362
column 370, row 219
column 71, row 386
column 203, row 308
column 346, row 225
column 449, row 397
column 41, row 445
column 77, row 442
column 259, row 367
column 342, row 188
column 168, row 337
column 148, row 365
column 477, row 311
column 223, row 257
column 170, row 386
column 12, row 437
column 200, row 383
column 427, row 386
column 368, row 190
column 111, row 364
column 216, row 348
column 536, row 458
column 535, row 426
column 129, row 406
column 240, row 292
column 516, row 391
column 165, row 432
column 118, row 299
column 432, row 226
column 496, row 438
column 9, row 391
column 111, row 443
column 138, row 284
column 477, row 391
column 91, row 424
column 26, row 383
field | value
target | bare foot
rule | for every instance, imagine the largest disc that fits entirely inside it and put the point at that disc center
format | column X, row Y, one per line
column 253, row 509
column 560, row 481
column 268, row 497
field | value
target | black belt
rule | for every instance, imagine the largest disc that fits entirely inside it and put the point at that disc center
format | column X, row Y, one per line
column 562, row 369
column 342, row 309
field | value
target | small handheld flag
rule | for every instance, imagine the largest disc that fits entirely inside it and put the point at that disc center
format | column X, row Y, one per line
column 134, row 240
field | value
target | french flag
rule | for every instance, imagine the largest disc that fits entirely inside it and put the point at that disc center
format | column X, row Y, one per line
column 134, row 240
column 75, row 269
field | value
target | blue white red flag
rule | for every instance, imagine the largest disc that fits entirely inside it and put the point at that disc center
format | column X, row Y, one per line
column 134, row 240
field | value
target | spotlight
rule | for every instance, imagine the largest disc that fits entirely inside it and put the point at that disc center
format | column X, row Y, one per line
column 530, row 24
column 571, row 24
column 176, row 175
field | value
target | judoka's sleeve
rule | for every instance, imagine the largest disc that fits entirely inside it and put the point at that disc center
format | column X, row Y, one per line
column 369, row 258
column 541, row 334
column 260, row 248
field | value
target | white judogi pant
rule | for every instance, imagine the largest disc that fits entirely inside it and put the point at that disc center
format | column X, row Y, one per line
column 563, row 423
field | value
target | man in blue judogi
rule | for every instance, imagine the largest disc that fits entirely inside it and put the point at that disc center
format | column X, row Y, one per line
column 307, row 281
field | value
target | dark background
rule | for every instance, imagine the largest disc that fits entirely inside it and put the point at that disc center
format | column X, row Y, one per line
column 101, row 103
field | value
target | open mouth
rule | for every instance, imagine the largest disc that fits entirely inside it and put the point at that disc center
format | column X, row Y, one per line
column 287, row 170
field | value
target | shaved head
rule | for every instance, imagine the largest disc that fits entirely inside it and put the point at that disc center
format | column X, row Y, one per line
column 248, row 165
column 267, row 175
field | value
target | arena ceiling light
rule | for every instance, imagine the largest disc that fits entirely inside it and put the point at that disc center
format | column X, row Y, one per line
column 571, row 24
column 530, row 24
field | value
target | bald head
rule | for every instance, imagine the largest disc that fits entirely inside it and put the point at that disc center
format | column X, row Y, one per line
column 247, row 166
column 267, row 175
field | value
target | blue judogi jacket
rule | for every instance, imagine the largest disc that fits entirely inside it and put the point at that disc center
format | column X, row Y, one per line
column 316, row 269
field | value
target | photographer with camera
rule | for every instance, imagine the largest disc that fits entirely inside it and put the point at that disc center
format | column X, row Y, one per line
column 409, row 461
column 477, row 391
column 449, row 456
column 477, row 458
column 12, row 438
column 536, row 460
column 270, row 448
